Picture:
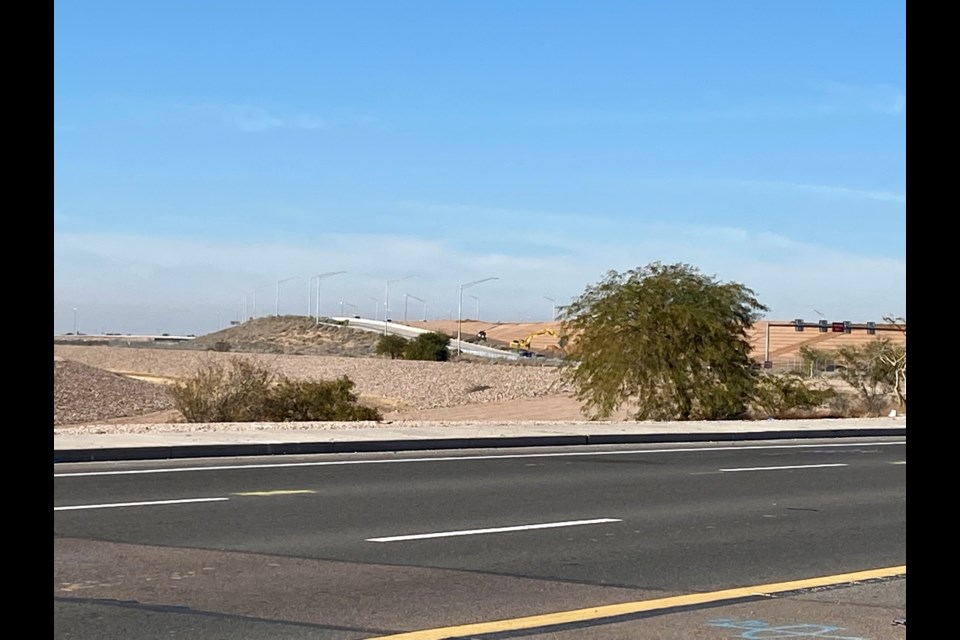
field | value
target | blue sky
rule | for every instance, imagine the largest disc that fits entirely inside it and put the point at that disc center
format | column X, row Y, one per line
column 204, row 151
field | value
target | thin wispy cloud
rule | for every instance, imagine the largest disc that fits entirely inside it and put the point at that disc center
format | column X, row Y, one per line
column 727, row 114
column 256, row 120
column 825, row 190
column 820, row 101
column 850, row 98
column 194, row 277
column 253, row 119
column 340, row 148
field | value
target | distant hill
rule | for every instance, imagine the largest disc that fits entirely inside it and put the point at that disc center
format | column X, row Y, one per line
column 289, row 334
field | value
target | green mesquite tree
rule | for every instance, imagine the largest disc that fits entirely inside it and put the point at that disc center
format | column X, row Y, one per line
column 664, row 340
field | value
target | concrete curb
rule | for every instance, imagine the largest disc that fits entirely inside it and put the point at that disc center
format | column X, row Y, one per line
column 115, row 454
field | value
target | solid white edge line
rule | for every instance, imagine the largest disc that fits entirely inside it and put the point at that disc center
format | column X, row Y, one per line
column 137, row 504
column 330, row 463
column 798, row 466
column 471, row 532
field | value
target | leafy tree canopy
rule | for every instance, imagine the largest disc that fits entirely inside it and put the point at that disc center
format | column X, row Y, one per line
column 392, row 345
column 428, row 346
column 664, row 340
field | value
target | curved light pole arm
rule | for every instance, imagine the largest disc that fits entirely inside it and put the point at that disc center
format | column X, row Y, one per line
column 406, row 297
column 460, row 306
column 553, row 311
column 386, row 299
column 319, row 277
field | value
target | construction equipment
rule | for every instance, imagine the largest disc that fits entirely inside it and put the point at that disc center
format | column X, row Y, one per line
column 524, row 343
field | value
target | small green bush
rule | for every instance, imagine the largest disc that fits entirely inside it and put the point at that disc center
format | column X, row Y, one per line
column 244, row 391
column 428, row 346
column 392, row 345
column 218, row 393
column 309, row 400
column 787, row 396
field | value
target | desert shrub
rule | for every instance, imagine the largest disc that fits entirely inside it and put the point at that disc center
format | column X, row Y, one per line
column 392, row 345
column 221, row 346
column 311, row 400
column 218, row 393
column 428, row 346
column 873, row 371
column 244, row 391
column 844, row 405
column 787, row 396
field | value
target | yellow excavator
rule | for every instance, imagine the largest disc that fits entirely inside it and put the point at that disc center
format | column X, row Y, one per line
column 524, row 343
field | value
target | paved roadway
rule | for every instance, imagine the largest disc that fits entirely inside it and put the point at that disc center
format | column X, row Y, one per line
column 410, row 332
column 321, row 546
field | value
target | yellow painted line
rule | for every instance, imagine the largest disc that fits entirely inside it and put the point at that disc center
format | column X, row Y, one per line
column 627, row 608
column 281, row 492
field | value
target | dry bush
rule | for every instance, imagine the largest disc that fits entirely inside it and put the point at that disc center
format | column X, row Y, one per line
column 217, row 393
column 786, row 396
column 324, row 400
column 244, row 391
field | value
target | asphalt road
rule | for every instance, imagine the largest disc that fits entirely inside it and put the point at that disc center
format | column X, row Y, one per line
column 378, row 326
column 360, row 546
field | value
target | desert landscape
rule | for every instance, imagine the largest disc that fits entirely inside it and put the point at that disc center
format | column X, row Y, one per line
column 121, row 388
column 114, row 385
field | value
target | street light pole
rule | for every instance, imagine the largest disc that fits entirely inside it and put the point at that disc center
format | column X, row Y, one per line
column 74, row 321
column 477, row 298
column 386, row 300
column 405, row 297
column 553, row 309
column 320, row 277
column 460, row 306
column 279, row 282
column 376, row 307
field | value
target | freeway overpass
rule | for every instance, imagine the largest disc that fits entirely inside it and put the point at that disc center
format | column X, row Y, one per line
column 406, row 331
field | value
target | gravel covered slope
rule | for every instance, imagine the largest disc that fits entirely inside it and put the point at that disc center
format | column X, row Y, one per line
column 86, row 394
column 392, row 384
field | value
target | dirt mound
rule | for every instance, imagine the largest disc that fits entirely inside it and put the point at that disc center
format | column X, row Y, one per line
column 296, row 335
column 86, row 394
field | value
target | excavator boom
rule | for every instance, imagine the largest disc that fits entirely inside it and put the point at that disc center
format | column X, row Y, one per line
column 524, row 343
